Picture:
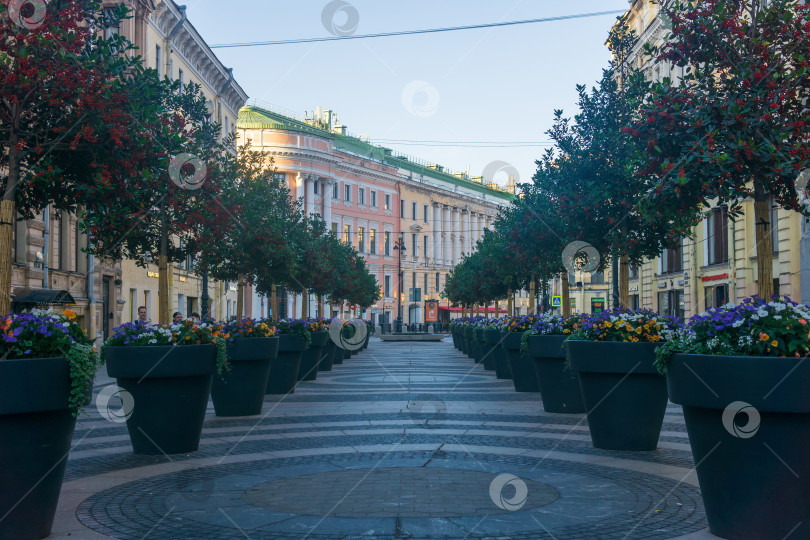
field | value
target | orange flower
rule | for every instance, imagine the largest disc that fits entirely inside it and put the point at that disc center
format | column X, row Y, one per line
column 763, row 336
column 775, row 343
column 803, row 322
column 69, row 313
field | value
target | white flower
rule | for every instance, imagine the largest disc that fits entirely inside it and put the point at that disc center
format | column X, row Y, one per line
column 777, row 317
column 762, row 313
column 730, row 305
column 778, row 306
column 754, row 317
column 737, row 324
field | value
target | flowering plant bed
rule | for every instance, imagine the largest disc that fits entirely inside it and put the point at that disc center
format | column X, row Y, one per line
column 188, row 332
column 620, row 324
column 46, row 334
column 295, row 327
column 247, row 328
column 520, row 323
column 752, row 328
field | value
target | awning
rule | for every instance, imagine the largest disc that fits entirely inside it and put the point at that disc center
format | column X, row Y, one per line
column 48, row 297
column 478, row 310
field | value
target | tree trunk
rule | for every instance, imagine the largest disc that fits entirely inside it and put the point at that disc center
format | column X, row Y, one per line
column 305, row 304
column 273, row 303
column 532, row 294
column 762, row 218
column 163, row 268
column 624, row 281
column 240, row 296
column 320, row 307
column 566, row 297
column 486, row 310
column 6, row 231
column 510, row 303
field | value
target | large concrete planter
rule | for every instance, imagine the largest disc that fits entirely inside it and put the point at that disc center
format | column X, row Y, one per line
column 559, row 386
column 170, row 386
column 492, row 339
column 327, row 356
column 36, row 427
column 284, row 369
column 520, row 365
column 240, row 392
column 748, row 420
column 502, row 368
column 311, row 358
column 625, row 398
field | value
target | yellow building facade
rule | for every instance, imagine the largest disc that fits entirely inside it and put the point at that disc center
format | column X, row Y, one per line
column 717, row 263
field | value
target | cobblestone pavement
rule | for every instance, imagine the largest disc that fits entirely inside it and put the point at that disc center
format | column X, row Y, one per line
column 404, row 440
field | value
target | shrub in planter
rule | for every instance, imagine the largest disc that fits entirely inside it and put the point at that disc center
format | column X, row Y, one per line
column 168, row 372
column 613, row 354
column 741, row 373
column 520, row 365
column 543, row 343
column 47, row 365
column 294, row 339
column 251, row 346
column 311, row 358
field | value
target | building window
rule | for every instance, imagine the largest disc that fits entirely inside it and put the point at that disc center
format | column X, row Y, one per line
column 347, row 193
column 671, row 303
column 774, row 226
column 425, row 249
column 634, row 302
column 372, row 241
column 181, row 76
column 347, row 231
column 413, row 211
column 111, row 28
column 361, row 196
column 361, row 239
column 717, row 236
column 388, row 202
column 159, row 60
column 427, row 283
column 672, row 260
column 373, row 199
column 335, row 190
column 387, row 286
column 715, row 296
column 20, row 242
column 633, row 271
column 402, row 208
column 387, row 241
column 597, row 278
column 425, row 213
column 334, row 229
column 438, row 282
column 414, row 244
column 316, row 188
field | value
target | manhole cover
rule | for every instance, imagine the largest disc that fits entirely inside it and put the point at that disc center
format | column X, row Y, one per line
column 400, row 492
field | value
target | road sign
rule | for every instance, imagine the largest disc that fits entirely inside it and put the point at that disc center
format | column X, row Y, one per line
column 556, row 301
column 415, row 295
column 442, row 295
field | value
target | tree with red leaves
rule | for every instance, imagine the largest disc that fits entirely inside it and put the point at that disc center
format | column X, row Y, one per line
column 65, row 111
column 735, row 126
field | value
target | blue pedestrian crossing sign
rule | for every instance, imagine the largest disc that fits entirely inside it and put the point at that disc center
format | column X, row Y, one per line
column 556, row 301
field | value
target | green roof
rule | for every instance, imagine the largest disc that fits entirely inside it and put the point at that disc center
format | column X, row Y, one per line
column 253, row 117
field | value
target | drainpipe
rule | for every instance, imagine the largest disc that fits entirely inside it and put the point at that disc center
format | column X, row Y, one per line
column 46, row 216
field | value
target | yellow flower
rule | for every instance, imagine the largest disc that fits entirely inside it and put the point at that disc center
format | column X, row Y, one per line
column 775, row 343
column 608, row 324
column 638, row 330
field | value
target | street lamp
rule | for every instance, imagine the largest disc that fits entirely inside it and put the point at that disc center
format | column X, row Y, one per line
column 399, row 247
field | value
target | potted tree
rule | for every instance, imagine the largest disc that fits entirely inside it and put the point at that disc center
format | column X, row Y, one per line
column 46, row 365
column 251, row 346
column 294, row 339
column 613, row 355
column 543, row 343
column 168, row 372
column 741, row 375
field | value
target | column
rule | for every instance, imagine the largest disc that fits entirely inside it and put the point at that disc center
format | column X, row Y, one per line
column 310, row 188
column 467, row 233
column 437, row 234
column 447, row 254
column 457, row 233
column 299, row 186
column 327, row 203
column 476, row 228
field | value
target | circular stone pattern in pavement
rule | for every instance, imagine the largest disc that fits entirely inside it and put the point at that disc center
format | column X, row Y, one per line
column 396, row 491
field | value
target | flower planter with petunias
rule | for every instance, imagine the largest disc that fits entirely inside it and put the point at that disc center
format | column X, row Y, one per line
column 168, row 371
column 625, row 398
column 490, row 349
column 520, row 365
column 543, row 343
column 251, row 347
column 47, row 367
column 294, row 338
column 741, row 374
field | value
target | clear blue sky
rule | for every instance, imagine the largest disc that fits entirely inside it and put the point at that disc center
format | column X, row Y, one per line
column 498, row 84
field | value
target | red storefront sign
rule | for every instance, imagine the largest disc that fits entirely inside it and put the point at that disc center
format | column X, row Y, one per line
column 714, row 278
